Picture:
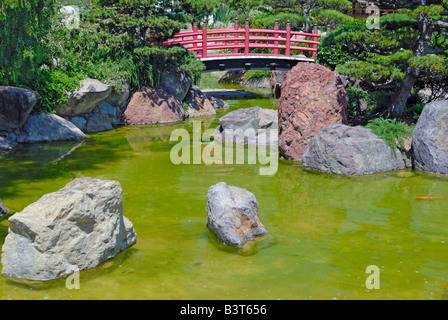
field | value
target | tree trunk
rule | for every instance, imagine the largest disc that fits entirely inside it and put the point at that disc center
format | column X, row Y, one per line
column 403, row 90
column 402, row 93
column 306, row 14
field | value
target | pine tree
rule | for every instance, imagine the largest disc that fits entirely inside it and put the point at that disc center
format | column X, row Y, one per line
column 409, row 51
column 138, row 28
column 306, row 7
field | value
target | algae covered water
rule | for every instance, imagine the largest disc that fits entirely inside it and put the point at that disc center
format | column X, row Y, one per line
column 325, row 230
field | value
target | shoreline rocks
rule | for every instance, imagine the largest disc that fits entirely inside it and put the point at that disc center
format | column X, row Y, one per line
column 346, row 150
column 149, row 106
column 430, row 139
column 233, row 215
column 198, row 103
column 85, row 99
column 3, row 209
column 48, row 127
column 96, row 107
column 16, row 104
column 75, row 228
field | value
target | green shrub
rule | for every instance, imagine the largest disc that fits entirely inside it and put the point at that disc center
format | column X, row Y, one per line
column 224, row 14
column 267, row 20
column 257, row 74
column 185, row 106
column 331, row 57
column 355, row 96
column 393, row 132
column 53, row 88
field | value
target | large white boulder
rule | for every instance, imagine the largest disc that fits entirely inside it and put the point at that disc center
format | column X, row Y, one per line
column 76, row 228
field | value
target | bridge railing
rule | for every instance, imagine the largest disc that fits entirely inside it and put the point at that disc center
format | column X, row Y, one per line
column 240, row 41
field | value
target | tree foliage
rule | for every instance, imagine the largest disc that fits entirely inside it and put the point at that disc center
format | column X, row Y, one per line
column 306, row 7
column 133, row 32
column 408, row 52
column 23, row 28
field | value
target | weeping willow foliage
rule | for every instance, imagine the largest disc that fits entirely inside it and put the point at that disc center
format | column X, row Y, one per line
column 23, row 27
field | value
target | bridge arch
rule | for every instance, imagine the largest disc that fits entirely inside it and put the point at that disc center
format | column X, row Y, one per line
column 244, row 48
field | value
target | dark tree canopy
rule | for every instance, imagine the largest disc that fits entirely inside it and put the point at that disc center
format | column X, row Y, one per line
column 408, row 51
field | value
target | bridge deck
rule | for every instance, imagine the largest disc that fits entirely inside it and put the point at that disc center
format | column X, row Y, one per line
column 221, row 62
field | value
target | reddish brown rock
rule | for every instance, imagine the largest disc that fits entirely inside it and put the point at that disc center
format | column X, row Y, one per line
column 312, row 98
column 153, row 106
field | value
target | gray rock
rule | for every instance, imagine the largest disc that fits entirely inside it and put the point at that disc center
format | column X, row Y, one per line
column 233, row 215
column 16, row 105
column 79, row 121
column 346, row 150
column 108, row 109
column 86, row 98
column 236, row 76
column 118, row 96
column 198, row 103
column 176, row 83
column 278, row 76
column 257, row 83
column 48, row 127
column 217, row 102
column 98, row 121
column 249, row 126
column 3, row 209
column 7, row 141
column 76, row 228
column 430, row 139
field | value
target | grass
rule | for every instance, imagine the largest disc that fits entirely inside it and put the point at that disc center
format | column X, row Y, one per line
column 393, row 132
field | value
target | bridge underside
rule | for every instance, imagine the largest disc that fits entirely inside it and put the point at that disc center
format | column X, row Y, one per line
column 230, row 63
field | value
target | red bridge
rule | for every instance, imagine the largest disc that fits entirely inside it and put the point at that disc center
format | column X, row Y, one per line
column 245, row 48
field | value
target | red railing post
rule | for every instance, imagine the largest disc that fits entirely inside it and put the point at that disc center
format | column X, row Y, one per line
column 288, row 39
column 246, row 38
column 276, row 36
column 315, row 32
column 236, row 27
column 204, row 39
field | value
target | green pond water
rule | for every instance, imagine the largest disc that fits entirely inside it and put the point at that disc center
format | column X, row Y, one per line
column 325, row 230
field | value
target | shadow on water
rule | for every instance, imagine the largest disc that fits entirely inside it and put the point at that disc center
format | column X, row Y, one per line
column 250, row 248
column 107, row 267
column 48, row 161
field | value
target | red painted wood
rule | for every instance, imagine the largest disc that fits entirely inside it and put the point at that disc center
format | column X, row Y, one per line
column 315, row 32
column 235, row 35
column 204, row 41
column 201, row 41
column 246, row 38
